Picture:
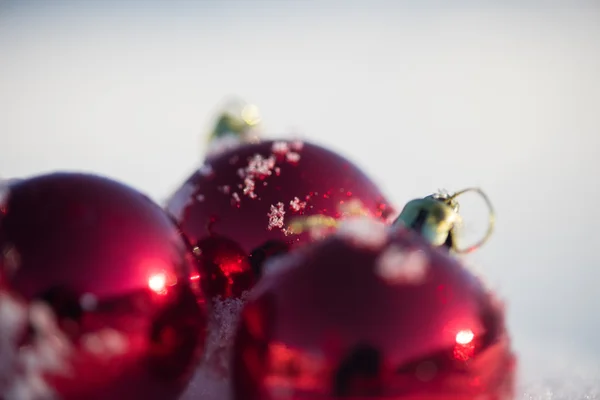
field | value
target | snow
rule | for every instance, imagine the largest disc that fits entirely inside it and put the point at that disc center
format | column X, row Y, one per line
column 258, row 168
column 363, row 232
column 212, row 379
column 398, row 266
column 276, row 216
column 280, row 148
column 297, row 205
column 292, row 157
column 22, row 368
column 548, row 375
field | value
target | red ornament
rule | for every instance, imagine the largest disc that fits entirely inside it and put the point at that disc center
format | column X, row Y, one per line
column 371, row 315
column 251, row 194
column 95, row 293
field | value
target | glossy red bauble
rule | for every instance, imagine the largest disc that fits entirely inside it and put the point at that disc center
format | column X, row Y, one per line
column 371, row 315
column 249, row 195
column 95, row 289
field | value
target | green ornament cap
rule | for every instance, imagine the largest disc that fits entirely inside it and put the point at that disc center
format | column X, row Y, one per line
column 436, row 218
column 237, row 118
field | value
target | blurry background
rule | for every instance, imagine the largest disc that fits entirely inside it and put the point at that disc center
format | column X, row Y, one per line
column 422, row 94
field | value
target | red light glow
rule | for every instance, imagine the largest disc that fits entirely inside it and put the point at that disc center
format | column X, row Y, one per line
column 464, row 337
column 158, row 282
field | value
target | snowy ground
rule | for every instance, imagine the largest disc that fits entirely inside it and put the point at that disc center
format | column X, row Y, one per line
column 546, row 372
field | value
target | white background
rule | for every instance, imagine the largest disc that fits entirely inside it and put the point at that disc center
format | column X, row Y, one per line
column 422, row 95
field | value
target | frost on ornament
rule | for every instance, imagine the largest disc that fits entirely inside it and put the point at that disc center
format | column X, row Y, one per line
column 280, row 148
column 235, row 200
column 258, row 168
column 276, row 216
column 399, row 266
column 23, row 368
column 292, row 157
column 287, row 150
column 297, row 145
column 363, row 232
column 297, row 205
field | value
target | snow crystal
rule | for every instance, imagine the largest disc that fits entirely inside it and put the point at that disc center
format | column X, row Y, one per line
column 363, row 232
column 280, row 148
column 258, row 168
column 249, row 186
column 220, row 145
column 292, row 157
column 284, row 149
column 235, row 199
column 200, row 198
column 297, row 205
column 276, row 216
column 297, row 145
column 398, row 266
column 225, row 189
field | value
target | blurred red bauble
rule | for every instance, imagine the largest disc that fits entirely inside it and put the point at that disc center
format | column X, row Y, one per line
column 96, row 299
column 365, row 314
column 249, row 195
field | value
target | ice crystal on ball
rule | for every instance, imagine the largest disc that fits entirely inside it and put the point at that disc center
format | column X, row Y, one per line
column 297, row 205
column 280, row 148
column 276, row 216
column 235, row 199
column 292, row 157
column 258, row 168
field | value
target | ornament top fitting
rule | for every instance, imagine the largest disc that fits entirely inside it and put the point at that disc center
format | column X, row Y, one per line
column 436, row 218
column 236, row 118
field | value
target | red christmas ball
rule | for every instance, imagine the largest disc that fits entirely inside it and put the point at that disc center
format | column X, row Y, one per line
column 249, row 196
column 366, row 314
column 96, row 299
